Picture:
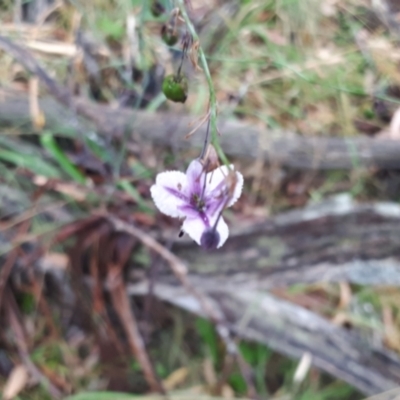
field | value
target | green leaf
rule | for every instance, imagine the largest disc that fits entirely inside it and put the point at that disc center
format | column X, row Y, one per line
column 134, row 193
column 112, row 28
column 207, row 332
column 237, row 382
column 48, row 142
column 34, row 164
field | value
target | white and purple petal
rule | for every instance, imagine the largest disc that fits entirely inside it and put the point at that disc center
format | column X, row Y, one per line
column 195, row 177
column 217, row 177
column 223, row 231
column 237, row 191
column 170, row 194
column 196, row 227
column 216, row 183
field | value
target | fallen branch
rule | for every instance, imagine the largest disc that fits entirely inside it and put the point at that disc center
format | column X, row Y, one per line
column 333, row 241
column 235, row 288
column 292, row 330
column 238, row 139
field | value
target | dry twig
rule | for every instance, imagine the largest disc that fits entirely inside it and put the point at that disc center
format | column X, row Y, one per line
column 122, row 307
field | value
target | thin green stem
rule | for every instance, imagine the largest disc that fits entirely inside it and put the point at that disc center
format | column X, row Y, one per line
column 213, row 98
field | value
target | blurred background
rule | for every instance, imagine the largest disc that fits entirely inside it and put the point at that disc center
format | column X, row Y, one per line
column 91, row 306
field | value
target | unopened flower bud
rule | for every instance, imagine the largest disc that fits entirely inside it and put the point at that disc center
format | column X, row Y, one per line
column 169, row 35
column 175, row 88
column 210, row 239
column 157, row 8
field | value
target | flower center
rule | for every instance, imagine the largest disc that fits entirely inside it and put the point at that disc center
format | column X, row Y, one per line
column 198, row 202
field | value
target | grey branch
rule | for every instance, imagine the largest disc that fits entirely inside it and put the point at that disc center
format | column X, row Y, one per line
column 336, row 240
column 238, row 139
column 292, row 330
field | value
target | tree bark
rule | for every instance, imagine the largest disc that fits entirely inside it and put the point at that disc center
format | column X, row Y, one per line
column 336, row 240
column 238, row 139
column 292, row 330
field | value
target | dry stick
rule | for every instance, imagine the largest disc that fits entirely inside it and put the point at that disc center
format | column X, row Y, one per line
column 21, row 343
column 295, row 152
column 279, row 148
column 180, row 271
column 122, row 307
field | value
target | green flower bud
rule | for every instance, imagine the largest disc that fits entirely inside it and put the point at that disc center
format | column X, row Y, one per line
column 157, row 8
column 169, row 35
column 175, row 88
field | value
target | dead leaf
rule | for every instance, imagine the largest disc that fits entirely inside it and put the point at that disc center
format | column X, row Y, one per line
column 367, row 127
column 276, row 37
column 393, row 132
column 175, row 379
column 69, row 189
column 37, row 115
column 341, row 319
column 329, row 8
column 209, row 372
column 16, row 382
column 194, row 55
column 392, row 336
column 345, row 295
column 227, row 392
column 54, row 261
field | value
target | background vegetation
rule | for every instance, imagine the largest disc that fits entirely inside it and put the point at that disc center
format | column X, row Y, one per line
column 316, row 68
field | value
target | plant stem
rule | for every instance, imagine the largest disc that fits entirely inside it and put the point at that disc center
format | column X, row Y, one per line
column 213, row 99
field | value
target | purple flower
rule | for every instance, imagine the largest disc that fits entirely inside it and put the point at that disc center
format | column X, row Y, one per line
column 199, row 198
